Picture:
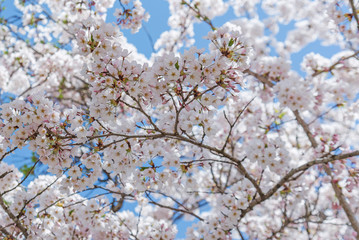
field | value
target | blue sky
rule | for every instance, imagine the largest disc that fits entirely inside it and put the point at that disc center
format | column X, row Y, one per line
column 159, row 12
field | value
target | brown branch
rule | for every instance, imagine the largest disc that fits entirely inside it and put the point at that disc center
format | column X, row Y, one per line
column 305, row 128
column 214, row 179
column 348, row 211
column 7, row 153
column 38, row 194
column 5, row 232
column 13, row 217
column 239, row 165
column 173, row 209
column 294, row 171
column 231, row 125
column 200, row 16
column 332, row 67
column 261, row 78
column 5, row 173
column 27, row 175
column 33, row 87
column 354, row 12
column 343, row 202
column 338, row 192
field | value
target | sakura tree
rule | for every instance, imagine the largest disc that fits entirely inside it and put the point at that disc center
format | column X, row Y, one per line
column 231, row 139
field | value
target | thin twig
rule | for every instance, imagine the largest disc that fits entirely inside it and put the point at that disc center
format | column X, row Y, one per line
column 355, row 14
column 13, row 217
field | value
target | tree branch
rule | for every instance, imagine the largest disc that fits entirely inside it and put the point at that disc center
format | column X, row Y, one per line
column 261, row 78
column 13, row 217
column 355, row 14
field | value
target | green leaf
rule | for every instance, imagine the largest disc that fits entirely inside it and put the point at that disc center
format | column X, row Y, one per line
column 71, row 211
column 61, row 96
column 184, row 168
column 177, row 65
column 27, row 170
column 6, row 202
column 231, row 42
column 152, row 163
column 113, row 102
column 33, row 157
column 143, row 168
column 281, row 115
column 285, row 191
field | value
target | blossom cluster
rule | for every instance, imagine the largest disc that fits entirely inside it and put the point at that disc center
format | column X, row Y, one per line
column 233, row 138
column 131, row 18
